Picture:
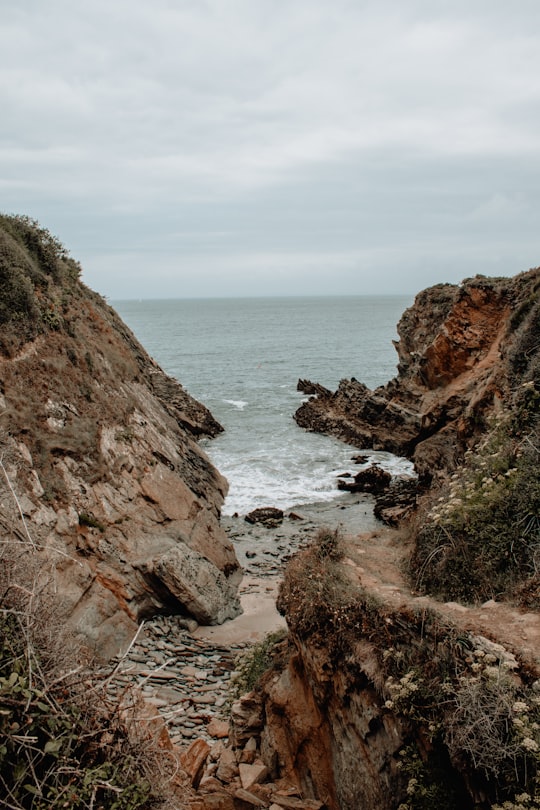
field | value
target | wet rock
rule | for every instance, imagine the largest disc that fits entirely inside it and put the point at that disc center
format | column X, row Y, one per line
column 398, row 501
column 373, row 480
column 268, row 516
column 311, row 388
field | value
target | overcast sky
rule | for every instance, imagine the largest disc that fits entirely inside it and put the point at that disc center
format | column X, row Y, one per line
column 186, row 148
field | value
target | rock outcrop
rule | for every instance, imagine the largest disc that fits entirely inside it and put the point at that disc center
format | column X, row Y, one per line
column 100, row 467
column 461, row 351
column 383, row 697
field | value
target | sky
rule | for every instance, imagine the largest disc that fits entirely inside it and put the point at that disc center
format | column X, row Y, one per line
column 195, row 148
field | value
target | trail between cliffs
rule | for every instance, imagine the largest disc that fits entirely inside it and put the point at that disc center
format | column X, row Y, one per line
column 377, row 559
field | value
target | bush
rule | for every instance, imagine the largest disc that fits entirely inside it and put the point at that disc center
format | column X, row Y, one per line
column 482, row 539
column 316, row 594
column 254, row 662
column 34, row 265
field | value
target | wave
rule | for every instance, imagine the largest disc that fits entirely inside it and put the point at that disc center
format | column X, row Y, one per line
column 240, row 404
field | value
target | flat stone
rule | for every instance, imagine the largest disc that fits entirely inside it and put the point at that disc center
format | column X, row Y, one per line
column 205, row 699
column 193, row 760
column 218, row 728
column 250, row 798
column 293, row 803
column 252, row 774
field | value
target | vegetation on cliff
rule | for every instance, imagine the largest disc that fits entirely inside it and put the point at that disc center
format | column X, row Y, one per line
column 480, row 539
column 464, row 708
column 64, row 743
column 100, row 445
column 467, row 710
column 37, row 276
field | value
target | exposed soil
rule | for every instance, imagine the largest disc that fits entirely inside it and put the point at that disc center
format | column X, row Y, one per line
column 378, row 559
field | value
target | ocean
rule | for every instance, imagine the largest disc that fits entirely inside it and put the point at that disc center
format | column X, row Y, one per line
column 243, row 357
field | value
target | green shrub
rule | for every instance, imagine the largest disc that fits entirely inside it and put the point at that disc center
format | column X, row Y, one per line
column 482, row 539
column 34, row 265
column 52, row 753
column 431, row 782
column 316, row 593
column 85, row 519
column 63, row 741
column 254, row 662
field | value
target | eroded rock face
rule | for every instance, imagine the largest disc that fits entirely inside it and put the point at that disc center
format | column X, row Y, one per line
column 457, row 363
column 99, row 448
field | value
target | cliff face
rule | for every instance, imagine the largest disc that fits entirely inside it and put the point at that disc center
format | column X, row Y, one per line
column 100, row 467
column 388, row 699
column 461, row 353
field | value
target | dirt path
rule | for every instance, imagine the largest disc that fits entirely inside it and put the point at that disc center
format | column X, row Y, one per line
column 378, row 558
column 376, row 555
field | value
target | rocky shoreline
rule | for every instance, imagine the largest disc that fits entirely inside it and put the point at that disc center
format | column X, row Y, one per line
column 184, row 670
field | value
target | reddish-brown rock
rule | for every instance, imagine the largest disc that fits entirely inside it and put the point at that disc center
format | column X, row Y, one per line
column 100, row 450
column 459, row 351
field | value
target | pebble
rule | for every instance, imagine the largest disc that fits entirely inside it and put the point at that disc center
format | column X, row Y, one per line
column 185, row 679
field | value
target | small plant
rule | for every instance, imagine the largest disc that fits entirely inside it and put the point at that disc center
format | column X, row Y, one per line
column 254, row 662
column 431, row 782
column 125, row 435
column 86, row 519
column 482, row 538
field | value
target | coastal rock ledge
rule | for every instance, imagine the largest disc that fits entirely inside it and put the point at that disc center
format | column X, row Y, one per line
column 101, row 470
column 461, row 351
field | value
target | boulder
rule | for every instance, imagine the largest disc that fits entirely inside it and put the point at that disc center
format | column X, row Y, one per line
column 200, row 588
column 397, row 501
column 267, row 516
column 373, row 480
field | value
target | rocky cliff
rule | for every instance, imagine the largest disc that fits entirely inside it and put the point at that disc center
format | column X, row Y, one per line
column 412, row 674
column 100, row 467
column 462, row 351
column 384, row 698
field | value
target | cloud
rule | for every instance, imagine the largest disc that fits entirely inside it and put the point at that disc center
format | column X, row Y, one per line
column 297, row 129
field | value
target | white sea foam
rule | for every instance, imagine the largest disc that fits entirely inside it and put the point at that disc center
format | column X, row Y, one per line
column 210, row 346
column 240, row 404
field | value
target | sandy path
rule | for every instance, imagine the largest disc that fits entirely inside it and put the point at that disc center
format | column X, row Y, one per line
column 260, row 616
column 263, row 552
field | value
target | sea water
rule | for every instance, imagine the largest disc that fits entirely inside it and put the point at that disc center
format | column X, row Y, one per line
column 243, row 357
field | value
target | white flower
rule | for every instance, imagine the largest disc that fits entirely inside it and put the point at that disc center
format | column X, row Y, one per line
column 411, row 787
column 519, row 707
